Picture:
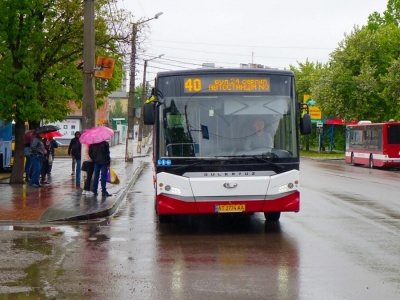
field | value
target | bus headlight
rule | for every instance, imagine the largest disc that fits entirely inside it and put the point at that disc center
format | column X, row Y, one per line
column 287, row 187
column 172, row 190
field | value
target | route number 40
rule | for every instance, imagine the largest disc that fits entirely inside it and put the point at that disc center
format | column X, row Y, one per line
column 193, row 85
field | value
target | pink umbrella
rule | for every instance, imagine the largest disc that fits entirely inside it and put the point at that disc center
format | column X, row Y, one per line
column 96, row 135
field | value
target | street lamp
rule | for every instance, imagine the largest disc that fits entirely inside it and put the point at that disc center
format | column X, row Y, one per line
column 141, row 125
column 131, row 97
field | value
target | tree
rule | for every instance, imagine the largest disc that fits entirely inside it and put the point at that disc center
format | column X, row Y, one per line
column 41, row 45
column 305, row 75
column 352, row 84
column 118, row 110
column 361, row 79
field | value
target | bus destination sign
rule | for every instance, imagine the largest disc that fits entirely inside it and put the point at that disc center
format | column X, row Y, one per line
column 226, row 85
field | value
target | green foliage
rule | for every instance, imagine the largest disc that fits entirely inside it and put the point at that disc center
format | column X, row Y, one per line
column 322, row 154
column 361, row 82
column 305, row 76
column 41, row 45
column 338, row 138
column 118, row 111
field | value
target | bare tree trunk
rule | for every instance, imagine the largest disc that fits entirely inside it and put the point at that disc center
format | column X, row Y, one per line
column 17, row 173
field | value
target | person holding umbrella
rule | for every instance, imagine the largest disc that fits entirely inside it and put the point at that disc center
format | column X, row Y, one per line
column 99, row 152
column 37, row 154
column 53, row 144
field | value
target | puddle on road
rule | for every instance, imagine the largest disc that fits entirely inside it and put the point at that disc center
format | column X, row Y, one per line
column 35, row 251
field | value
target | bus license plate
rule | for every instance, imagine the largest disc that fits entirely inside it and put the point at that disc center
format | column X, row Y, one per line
column 227, row 208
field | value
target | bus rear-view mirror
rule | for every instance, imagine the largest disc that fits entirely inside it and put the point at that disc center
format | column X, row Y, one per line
column 149, row 113
column 305, row 124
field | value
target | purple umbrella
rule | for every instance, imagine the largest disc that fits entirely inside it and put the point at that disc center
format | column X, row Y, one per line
column 29, row 136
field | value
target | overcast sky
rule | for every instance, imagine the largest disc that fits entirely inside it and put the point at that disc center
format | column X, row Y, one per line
column 273, row 33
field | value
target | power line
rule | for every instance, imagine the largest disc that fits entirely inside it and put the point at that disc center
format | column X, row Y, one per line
column 244, row 46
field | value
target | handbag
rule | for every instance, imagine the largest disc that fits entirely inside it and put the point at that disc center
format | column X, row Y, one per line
column 112, row 177
column 85, row 165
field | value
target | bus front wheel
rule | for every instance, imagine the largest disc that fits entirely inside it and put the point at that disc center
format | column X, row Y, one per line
column 272, row 216
column 163, row 219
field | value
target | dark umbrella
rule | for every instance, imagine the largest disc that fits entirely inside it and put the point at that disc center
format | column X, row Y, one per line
column 47, row 128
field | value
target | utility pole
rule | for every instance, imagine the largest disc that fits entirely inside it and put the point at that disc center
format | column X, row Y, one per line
column 143, row 100
column 88, row 101
column 131, row 97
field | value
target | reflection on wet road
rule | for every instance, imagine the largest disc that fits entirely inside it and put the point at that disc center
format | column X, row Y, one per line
column 343, row 244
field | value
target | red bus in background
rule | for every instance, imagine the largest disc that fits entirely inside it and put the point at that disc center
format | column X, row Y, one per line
column 373, row 144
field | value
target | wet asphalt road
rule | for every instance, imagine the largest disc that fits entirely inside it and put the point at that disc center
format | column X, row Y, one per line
column 344, row 244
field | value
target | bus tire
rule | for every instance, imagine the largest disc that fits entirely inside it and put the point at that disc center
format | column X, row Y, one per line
column 162, row 219
column 272, row 216
column 1, row 163
column 371, row 162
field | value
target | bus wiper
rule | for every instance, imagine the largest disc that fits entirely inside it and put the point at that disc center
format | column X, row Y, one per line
column 257, row 157
column 200, row 162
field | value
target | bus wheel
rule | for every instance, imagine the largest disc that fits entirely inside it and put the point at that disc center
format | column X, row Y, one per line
column 371, row 162
column 164, row 219
column 272, row 216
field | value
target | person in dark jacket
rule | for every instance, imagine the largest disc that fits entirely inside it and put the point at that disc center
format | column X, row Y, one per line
column 53, row 144
column 45, row 161
column 77, row 154
column 28, row 162
column 37, row 154
column 100, row 154
column 70, row 147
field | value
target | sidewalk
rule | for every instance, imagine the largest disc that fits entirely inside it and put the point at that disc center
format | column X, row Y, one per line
column 62, row 200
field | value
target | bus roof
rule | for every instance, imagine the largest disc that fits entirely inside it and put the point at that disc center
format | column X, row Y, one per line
column 221, row 71
column 362, row 124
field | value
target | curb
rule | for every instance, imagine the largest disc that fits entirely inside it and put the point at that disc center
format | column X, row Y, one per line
column 102, row 212
column 120, row 197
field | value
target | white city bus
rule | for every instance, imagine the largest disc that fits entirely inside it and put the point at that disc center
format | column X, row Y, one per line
column 202, row 121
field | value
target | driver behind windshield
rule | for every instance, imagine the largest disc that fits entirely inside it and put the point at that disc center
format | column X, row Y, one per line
column 259, row 138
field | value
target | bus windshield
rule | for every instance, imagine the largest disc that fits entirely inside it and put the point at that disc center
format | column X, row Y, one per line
column 205, row 117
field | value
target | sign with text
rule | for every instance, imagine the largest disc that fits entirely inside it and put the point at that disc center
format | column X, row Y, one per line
column 231, row 84
column 315, row 112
